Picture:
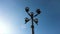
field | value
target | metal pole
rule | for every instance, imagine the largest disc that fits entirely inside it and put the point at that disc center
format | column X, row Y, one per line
column 32, row 26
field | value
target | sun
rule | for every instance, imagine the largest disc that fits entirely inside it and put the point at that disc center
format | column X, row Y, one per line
column 4, row 27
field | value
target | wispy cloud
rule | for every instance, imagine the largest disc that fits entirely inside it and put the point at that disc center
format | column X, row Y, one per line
column 23, row 26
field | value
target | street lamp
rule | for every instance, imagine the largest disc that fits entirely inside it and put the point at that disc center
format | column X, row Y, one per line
column 26, row 20
column 31, row 14
column 27, row 9
column 36, row 21
column 38, row 12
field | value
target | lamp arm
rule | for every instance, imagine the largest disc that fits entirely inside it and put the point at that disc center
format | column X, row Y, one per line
column 35, row 15
column 29, row 14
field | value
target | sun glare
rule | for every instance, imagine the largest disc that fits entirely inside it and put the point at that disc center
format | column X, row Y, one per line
column 4, row 27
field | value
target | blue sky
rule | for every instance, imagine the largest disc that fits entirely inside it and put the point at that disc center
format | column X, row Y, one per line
column 12, row 14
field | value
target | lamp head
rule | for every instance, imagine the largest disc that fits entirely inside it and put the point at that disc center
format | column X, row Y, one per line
column 26, row 20
column 27, row 9
column 31, row 14
column 36, row 21
column 38, row 11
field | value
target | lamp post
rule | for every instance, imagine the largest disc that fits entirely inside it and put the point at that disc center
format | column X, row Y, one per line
column 31, row 14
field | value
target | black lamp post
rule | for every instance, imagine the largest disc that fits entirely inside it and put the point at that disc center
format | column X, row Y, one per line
column 32, row 17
